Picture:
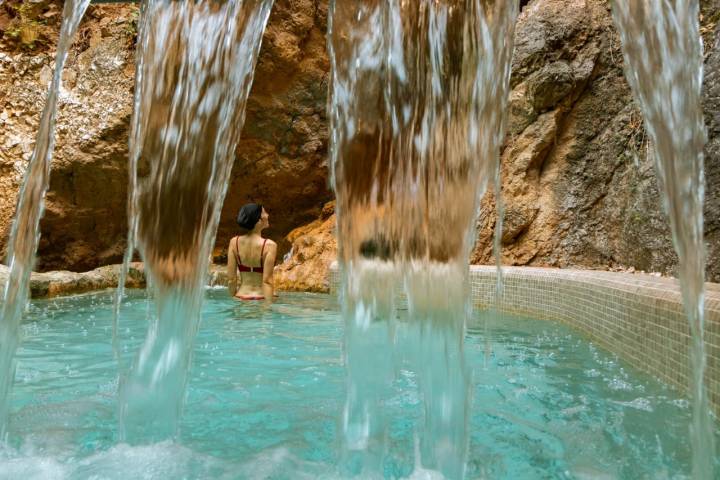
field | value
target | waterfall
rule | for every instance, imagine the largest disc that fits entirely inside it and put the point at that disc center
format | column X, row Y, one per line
column 664, row 66
column 195, row 68
column 25, row 232
column 418, row 100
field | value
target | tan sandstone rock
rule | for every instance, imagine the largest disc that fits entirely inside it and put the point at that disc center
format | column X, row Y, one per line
column 314, row 248
column 85, row 218
column 281, row 161
column 578, row 180
column 579, row 186
column 61, row 283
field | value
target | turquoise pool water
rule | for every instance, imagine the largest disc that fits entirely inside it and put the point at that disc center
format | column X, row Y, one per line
column 267, row 389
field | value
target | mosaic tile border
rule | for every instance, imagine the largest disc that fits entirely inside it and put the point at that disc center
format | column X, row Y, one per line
column 638, row 317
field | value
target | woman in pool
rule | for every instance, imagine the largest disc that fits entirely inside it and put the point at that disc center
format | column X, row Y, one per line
column 251, row 258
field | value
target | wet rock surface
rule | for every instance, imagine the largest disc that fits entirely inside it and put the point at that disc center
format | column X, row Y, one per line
column 578, row 181
column 61, row 283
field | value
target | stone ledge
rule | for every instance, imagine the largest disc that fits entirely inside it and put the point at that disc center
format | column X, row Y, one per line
column 58, row 283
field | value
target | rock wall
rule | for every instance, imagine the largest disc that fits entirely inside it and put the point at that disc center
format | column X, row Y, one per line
column 578, row 183
column 280, row 161
column 314, row 248
column 578, row 175
column 85, row 218
column 282, row 157
column 711, row 106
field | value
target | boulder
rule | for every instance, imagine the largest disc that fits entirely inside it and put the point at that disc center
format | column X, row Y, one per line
column 62, row 283
column 307, row 265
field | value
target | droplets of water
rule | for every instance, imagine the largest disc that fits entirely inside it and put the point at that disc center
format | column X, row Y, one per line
column 25, row 232
column 664, row 66
column 418, row 101
column 195, row 68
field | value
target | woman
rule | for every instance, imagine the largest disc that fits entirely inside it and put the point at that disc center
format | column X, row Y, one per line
column 251, row 258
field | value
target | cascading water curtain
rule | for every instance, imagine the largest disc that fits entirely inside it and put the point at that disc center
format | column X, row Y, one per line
column 25, row 232
column 664, row 66
column 418, row 99
column 195, row 69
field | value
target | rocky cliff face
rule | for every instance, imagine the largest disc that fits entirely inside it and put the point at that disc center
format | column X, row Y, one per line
column 85, row 219
column 711, row 106
column 282, row 157
column 578, row 182
column 280, row 161
column 578, row 175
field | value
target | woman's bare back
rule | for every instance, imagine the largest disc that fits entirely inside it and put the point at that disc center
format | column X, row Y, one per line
column 250, row 257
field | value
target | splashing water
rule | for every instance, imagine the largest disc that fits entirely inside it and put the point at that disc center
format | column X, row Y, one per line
column 31, row 204
column 664, row 66
column 195, row 69
column 418, row 101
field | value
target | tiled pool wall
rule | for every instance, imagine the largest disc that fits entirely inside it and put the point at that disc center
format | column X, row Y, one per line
column 638, row 317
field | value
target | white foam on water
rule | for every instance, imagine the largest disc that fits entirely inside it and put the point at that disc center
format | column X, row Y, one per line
column 33, row 467
column 639, row 404
column 168, row 460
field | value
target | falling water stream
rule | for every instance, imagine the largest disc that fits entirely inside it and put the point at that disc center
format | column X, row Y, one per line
column 418, row 101
column 31, row 203
column 194, row 75
column 664, row 65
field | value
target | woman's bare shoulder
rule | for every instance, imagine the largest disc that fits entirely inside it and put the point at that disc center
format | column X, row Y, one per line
column 270, row 243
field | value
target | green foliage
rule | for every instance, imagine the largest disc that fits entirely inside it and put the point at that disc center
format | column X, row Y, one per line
column 636, row 146
column 639, row 218
column 131, row 27
column 27, row 24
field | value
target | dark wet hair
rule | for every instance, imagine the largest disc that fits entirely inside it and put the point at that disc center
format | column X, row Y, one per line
column 249, row 215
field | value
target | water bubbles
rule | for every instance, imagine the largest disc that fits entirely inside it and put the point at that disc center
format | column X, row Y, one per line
column 616, row 383
column 681, row 403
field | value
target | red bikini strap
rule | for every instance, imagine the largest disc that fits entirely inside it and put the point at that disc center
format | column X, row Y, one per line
column 262, row 253
column 237, row 253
